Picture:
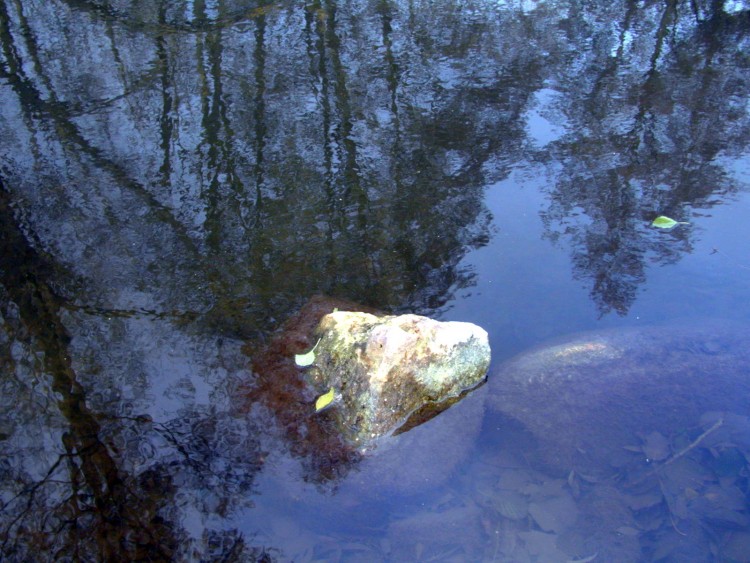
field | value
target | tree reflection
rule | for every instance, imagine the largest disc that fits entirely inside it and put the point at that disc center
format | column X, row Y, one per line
column 82, row 494
column 263, row 202
column 180, row 176
column 645, row 133
column 71, row 488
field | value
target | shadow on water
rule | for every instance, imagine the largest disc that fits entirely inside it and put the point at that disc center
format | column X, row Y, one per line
column 178, row 178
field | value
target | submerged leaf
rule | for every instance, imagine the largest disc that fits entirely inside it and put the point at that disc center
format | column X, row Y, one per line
column 325, row 400
column 554, row 514
column 656, row 446
column 664, row 222
column 511, row 505
column 585, row 559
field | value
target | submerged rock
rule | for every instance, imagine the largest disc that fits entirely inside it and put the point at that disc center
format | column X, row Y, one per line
column 389, row 369
column 593, row 400
column 422, row 458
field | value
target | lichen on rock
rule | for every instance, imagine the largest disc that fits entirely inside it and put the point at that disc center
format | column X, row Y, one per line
column 388, row 369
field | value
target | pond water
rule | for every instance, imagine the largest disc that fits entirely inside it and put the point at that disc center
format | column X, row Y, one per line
column 181, row 176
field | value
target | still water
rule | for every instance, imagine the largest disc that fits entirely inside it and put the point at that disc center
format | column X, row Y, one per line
column 179, row 177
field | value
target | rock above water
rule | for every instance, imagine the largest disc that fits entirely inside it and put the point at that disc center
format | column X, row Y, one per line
column 287, row 392
column 388, row 370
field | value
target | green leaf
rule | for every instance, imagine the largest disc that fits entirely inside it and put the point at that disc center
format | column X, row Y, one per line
column 664, row 222
column 304, row 360
column 325, row 400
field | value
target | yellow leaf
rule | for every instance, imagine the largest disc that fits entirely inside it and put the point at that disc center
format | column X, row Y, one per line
column 664, row 222
column 304, row 360
column 325, row 400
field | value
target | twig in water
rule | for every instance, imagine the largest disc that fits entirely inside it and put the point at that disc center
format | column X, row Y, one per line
column 693, row 444
column 682, row 452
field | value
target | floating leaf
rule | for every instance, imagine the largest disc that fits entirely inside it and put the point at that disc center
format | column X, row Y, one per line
column 325, row 400
column 664, row 222
column 304, row 360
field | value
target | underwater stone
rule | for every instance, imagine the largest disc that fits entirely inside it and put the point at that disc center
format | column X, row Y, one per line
column 393, row 372
column 590, row 398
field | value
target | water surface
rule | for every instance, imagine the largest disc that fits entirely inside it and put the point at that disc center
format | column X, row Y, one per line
column 179, row 177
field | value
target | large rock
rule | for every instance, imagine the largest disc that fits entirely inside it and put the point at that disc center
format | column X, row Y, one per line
column 283, row 390
column 389, row 370
column 422, row 458
column 590, row 399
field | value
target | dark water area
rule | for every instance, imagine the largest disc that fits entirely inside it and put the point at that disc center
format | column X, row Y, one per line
column 177, row 178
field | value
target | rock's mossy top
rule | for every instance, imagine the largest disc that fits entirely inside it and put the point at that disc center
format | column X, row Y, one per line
column 387, row 368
